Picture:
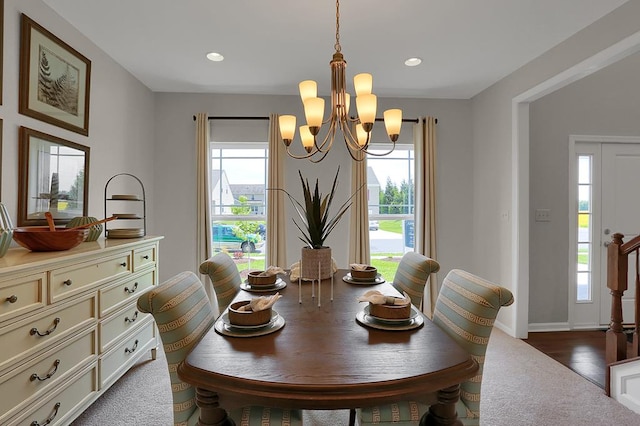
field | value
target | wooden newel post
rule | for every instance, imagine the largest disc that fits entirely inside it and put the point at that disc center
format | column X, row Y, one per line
column 617, row 266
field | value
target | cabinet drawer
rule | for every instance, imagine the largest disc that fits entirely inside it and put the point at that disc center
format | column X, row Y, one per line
column 116, row 296
column 21, row 295
column 69, row 281
column 114, row 327
column 144, row 257
column 59, row 407
column 18, row 387
column 21, row 339
column 122, row 357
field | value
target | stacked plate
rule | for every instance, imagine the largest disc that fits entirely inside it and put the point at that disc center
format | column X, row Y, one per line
column 125, row 233
column 125, row 197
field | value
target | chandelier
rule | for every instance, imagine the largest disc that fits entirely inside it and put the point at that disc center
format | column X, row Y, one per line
column 356, row 131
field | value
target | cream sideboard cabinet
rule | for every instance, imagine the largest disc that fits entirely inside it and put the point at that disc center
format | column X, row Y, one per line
column 69, row 326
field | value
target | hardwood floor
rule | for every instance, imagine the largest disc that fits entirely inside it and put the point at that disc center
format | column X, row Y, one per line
column 581, row 351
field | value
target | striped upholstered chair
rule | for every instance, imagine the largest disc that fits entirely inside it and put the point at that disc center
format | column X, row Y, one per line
column 224, row 276
column 183, row 315
column 466, row 309
column 412, row 275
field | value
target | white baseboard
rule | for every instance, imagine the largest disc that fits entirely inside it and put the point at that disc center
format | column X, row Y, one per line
column 549, row 326
column 503, row 327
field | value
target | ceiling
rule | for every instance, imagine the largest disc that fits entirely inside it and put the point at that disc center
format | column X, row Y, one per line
column 271, row 45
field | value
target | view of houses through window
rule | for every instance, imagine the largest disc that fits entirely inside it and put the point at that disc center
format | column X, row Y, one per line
column 238, row 188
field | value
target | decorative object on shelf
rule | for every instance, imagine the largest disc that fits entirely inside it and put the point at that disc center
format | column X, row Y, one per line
column 316, row 226
column 40, row 238
column 94, row 230
column 134, row 201
column 54, row 79
column 43, row 160
column 6, row 230
column 356, row 141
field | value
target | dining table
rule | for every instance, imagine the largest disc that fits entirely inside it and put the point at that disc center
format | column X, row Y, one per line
column 323, row 351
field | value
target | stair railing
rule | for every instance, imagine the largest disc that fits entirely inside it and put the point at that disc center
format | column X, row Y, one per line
column 617, row 272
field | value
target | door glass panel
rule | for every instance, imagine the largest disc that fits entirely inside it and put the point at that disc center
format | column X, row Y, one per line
column 583, row 232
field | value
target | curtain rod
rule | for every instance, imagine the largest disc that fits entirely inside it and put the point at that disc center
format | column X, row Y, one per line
column 404, row 120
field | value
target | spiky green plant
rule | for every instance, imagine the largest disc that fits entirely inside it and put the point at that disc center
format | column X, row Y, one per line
column 314, row 214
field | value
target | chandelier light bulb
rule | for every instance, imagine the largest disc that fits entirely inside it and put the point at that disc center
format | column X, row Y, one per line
column 361, row 135
column 307, row 138
column 367, row 105
column 287, row 128
column 308, row 89
column 363, row 84
column 392, row 122
column 314, row 112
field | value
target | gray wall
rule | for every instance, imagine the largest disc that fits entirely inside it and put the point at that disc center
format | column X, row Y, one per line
column 121, row 122
column 605, row 103
column 175, row 172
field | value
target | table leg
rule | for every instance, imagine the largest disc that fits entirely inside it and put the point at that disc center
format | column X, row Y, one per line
column 211, row 414
column 444, row 412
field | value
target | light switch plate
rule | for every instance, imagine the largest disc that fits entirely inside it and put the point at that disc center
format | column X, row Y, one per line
column 543, row 215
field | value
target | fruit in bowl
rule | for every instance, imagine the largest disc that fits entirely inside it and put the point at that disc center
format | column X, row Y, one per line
column 41, row 238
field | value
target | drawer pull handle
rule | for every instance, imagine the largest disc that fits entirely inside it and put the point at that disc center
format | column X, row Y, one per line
column 132, row 350
column 145, row 257
column 123, row 264
column 50, row 418
column 132, row 319
column 67, row 282
column 34, row 330
column 12, row 299
column 35, row 376
column 133, row 289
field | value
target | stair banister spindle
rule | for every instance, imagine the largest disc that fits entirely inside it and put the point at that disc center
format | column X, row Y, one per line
column 617, row 269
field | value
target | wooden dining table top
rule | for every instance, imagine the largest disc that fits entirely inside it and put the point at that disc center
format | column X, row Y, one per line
column 323, row 358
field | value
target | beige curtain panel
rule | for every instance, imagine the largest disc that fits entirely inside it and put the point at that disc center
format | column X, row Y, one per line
column 276, row 235
column 424, row 133
column 359, row 250
column 203, row 207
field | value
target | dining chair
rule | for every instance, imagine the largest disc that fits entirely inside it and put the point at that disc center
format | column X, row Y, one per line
column 466, row 309
column 224, row 276
column 183, row 314
column 412, row 275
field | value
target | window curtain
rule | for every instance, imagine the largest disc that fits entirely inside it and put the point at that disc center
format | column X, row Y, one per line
column 203, row 204
column 424, row 136
column 276, row 236
column 359, row 250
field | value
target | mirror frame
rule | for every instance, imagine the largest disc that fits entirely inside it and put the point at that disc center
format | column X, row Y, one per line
column 27, row 171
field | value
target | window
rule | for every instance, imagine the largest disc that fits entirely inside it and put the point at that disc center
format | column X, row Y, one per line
column 238, row 201
column 584, row 249
column 390, row 188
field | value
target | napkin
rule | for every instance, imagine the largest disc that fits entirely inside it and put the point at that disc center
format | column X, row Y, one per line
column 260, row 303
column 377, row 298
column 271, row 271
column 295, row 270
column 359, row 266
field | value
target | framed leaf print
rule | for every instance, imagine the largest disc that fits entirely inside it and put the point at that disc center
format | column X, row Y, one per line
column 54, row 79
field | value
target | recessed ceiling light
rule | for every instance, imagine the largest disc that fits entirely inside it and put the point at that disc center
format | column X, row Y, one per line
column 412, row 62
column 215, row 57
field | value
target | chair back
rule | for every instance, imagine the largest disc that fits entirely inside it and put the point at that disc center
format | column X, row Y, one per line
column 466, row 309
column 224, row 276
column 182, row 312
column 412, row 275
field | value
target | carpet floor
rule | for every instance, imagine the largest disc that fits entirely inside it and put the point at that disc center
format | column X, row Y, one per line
column 521, row 386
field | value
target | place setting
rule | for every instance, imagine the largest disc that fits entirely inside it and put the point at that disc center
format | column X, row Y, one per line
column 388, row 312
column 264, row 281
column 360, row 274
column 250, row 318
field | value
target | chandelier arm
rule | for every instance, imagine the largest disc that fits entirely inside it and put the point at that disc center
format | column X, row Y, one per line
column 300, row 157
column 327, row 140
column 393, row 146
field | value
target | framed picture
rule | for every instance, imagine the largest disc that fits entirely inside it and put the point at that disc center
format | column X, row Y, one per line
column 53, row 176
column 54, row 79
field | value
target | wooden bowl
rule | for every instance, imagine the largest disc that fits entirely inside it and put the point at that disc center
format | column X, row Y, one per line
column 370, row 273
column 36, row 238
column 248, row 318
column 254, row 279
column 393, row 312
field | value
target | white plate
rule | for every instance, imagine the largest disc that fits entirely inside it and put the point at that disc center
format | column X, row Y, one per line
column 222, row 326
column 369, row 321
column 349, row 279
column 414, row 313
column 279, row 285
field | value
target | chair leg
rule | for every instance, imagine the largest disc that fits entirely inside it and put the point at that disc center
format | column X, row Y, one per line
column 352, row 417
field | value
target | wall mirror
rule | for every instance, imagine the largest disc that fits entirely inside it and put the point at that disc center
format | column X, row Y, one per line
column 53, row 176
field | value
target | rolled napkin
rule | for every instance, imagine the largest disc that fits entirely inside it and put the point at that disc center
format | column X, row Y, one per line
column 260, row 303
column 358, row 267
column 271, row 271
column 377, row 298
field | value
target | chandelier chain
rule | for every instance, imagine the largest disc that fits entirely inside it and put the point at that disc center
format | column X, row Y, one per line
column 337, row 45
